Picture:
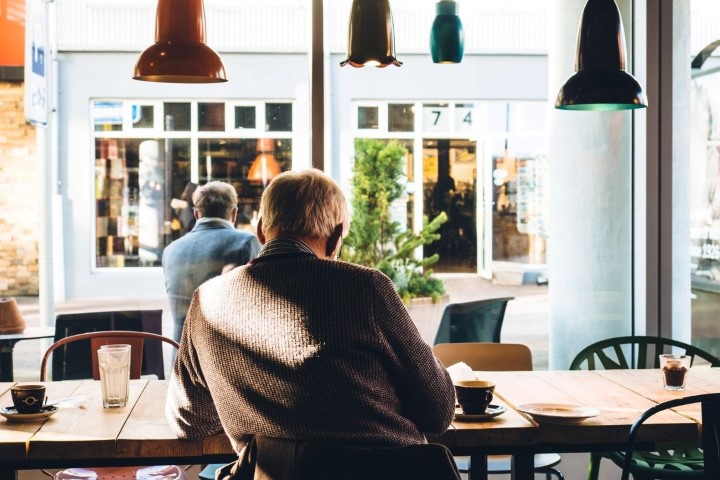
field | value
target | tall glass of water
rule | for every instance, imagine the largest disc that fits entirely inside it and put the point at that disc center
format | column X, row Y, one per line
column 114, row 363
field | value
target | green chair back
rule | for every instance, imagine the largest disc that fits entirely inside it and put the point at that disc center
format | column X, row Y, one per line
column 634, row 352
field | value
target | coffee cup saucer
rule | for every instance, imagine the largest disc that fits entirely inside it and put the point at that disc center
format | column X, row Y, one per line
column 492, row 411
column 12, row 415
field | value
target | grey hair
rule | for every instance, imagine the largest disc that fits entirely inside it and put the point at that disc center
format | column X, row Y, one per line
column 215, row 199
column 305, row 203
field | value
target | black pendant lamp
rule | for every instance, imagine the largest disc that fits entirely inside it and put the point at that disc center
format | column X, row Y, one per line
column 371, row 39
column 601, row 82
column 447, row 39
column 179, row 54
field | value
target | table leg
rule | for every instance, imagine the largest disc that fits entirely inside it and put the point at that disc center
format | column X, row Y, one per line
column 6, row 361
column 478, row 467
column 523, row 466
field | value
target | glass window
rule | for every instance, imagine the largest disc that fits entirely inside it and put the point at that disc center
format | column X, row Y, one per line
column 245, row 117
column 211, row 117
column 177, row 117
column 368, row 118
column 144, row 184
column 401, row 117
column 107, row 116
column 143, row 116
column 278, row 117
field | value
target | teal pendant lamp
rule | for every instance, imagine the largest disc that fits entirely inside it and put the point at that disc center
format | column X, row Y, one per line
column 601, row 82
column 447, row 39
column 371, row 37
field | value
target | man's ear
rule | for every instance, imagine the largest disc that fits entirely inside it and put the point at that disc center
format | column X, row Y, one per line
column 332, row 247
column 260, row 233
column 196, row 214
column 233, row 215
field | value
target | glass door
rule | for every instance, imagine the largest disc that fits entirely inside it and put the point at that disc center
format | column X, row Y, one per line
column 450, row 185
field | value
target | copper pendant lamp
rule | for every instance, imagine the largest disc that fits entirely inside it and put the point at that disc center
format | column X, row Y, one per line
column 179, row 54
column 601, row 82
column 371, row 37
column 265, row 167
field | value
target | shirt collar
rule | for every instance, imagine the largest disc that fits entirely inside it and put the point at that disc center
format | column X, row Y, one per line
column 214, row 220
column 284, row 245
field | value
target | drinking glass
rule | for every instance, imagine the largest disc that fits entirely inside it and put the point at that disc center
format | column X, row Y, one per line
column 114, row 364
column 674, row 369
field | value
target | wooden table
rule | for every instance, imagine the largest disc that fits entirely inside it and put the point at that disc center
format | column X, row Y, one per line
column 7, row 345
column 139, row 435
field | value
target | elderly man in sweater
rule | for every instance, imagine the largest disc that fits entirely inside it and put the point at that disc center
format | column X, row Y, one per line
column 299, row 345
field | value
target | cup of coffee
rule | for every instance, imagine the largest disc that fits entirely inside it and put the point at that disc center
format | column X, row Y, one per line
column 28, row 398
column 675, row 369
column 474, row 396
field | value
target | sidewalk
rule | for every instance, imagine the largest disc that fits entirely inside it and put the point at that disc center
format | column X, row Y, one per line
column 526, row 318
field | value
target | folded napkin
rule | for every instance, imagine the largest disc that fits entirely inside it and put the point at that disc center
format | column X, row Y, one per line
column 460, row 371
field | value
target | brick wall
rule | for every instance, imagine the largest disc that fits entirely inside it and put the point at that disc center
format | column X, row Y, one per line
column 18, row 196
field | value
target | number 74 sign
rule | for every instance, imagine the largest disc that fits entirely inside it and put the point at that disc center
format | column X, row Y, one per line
column 445, row 119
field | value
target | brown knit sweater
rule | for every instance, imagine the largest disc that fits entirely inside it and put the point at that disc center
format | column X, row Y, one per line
column 293, row 346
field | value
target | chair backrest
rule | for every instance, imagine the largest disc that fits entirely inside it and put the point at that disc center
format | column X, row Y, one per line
column 94, row 340
column 477, row 321
column 710, row 404
column 634, row 352
column 73, row 361
column 487, row 356
column 286, row 459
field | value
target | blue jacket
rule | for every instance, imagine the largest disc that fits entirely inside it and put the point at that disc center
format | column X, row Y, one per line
column 201, row 254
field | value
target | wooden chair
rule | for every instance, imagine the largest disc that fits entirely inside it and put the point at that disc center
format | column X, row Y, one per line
column 476, row 321
column 73, row 360
column 710, row 404
column 643, row 352
column 96, row 340
column 496, row 357
column 135, row 339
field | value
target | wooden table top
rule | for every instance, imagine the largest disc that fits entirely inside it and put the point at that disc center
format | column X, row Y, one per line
column 139, row 431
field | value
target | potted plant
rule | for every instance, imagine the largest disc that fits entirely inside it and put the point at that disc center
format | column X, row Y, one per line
column 375, row 239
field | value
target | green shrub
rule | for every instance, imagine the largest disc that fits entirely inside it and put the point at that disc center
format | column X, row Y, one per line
column 377, row 241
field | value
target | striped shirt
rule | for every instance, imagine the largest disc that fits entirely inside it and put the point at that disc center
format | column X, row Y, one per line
column 283, row 246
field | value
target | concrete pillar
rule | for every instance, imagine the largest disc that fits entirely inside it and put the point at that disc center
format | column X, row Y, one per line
column 591, row 199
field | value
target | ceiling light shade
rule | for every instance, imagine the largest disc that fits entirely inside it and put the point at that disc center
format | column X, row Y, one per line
column 447, row 39
column 371, row 39
column 265, row 167
column 601, row 81
column 179, row 54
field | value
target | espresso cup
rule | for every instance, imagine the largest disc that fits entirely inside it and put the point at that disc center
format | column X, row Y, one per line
column 474, row 396
column 28, row 398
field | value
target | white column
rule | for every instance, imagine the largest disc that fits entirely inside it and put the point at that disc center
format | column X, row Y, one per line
column 590, row 241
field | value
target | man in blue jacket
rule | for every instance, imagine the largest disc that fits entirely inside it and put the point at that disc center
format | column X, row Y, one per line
column 211, row 248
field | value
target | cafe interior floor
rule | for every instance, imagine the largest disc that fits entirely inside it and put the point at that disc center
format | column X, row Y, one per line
column 526, row 321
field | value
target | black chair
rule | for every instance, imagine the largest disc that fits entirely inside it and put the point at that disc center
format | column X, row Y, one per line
column 643, row 352
column 269, row 458
column 476, row 321
column 73, row 361
column 710, row 433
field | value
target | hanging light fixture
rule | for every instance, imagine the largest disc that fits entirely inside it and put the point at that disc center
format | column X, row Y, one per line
column 371, row 39
column 179, row 54
column 447, row 38
column 601, row 81
column 265, row 167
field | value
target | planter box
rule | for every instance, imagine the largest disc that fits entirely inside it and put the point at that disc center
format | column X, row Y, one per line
column 426, row 316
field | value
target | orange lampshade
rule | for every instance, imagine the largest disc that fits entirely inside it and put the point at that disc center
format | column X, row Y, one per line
column 179, row 54
column 264, row 168
column 11, row 320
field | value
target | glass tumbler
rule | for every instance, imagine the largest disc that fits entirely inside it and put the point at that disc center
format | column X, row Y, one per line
column 114, row 365
column 674, row 369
